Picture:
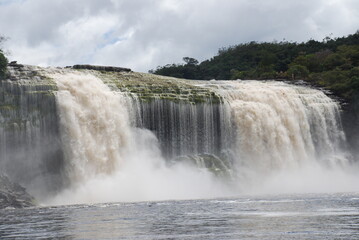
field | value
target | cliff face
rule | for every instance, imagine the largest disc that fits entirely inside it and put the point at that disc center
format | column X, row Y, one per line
column 30, row 149
column 350, row 120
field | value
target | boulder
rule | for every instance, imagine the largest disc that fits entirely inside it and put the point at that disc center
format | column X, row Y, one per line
column 13, row 195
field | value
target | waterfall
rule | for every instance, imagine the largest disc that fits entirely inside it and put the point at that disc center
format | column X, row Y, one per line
column 264, row 125
column 278, row 125
column 94, row 124
column 91, row 137
column 257, row 129
column 105, row 153
column 184, row 128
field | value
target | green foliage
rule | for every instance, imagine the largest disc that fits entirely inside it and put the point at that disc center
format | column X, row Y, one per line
column 189, row 70
column 332, row 63
column 296, row 71
column 334, row 60
column 190, row 61
column 3, row 60
column 3, row 65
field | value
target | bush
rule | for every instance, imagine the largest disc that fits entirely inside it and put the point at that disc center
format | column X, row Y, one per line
column 298, row 72
column 3, row 65
column 268, row 75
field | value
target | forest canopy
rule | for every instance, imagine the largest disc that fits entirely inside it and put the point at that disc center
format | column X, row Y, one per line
column 331, row 63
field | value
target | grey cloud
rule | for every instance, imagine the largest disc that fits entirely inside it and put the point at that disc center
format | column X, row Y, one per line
column 142, row 34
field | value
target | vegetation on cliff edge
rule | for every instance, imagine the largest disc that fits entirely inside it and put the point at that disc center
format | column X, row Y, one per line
column 331, row 63
column 3, row 60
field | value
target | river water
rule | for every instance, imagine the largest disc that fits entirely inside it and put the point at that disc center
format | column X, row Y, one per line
column 304, row 216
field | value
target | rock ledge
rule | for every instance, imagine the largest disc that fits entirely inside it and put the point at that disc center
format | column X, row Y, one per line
column 101, row 68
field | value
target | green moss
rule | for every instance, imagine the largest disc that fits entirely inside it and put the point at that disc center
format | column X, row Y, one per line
column 148, row 86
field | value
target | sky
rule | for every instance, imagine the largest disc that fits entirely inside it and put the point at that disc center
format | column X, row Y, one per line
column 144, row 34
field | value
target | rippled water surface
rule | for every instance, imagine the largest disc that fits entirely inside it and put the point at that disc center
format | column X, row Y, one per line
column 334, row 216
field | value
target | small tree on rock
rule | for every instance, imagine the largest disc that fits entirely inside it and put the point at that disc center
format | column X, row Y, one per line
column 298, row 71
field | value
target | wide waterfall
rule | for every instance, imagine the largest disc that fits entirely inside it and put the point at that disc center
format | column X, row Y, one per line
column 279, row 125
column 99, row 136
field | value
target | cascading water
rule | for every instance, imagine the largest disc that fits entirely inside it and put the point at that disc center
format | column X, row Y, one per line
column 94, row 125
column 279, row 125
column 120, row 146
column 286, row 137
column 107, row 159
column 267, row 127
column 185, row 128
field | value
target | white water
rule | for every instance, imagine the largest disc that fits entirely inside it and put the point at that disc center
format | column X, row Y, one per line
column 283, row 126
column 286, row 139
column 95, row 126
column 107, row 159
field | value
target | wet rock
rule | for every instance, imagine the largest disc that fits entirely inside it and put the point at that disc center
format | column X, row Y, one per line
column 15, row 64
column 219, row 166
column 13, row 195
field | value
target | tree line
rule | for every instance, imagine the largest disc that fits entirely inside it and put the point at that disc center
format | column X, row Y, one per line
column 331, row 63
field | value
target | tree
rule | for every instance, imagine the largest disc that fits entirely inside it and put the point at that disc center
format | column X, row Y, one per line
column 298, row 71
column 332, row 63
column 3, row 60
column 3, row 65
column 334, row 60
column 190, row 61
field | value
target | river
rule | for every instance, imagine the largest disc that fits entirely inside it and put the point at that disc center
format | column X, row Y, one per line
column 300, row 216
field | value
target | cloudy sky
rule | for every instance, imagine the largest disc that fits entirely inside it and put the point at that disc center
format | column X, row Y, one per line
column 142, row 34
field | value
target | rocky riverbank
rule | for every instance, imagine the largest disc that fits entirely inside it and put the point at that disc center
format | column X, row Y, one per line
column 13, row 195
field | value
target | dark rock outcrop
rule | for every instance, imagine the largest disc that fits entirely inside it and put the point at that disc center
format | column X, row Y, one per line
column 102, row 68
column 350, row 120
column 15, row 64
column 14, row 195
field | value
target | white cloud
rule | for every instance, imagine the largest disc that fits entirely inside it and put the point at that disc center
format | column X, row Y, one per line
column 142, row 34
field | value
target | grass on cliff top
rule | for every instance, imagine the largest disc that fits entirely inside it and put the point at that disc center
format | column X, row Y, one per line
column 149, row 87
